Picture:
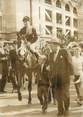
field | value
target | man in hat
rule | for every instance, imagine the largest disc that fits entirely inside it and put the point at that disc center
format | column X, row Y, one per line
column 28, row 31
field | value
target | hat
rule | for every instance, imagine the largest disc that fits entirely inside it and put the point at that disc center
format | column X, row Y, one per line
column 78, row 48
column 72, row 45
column 26, row 18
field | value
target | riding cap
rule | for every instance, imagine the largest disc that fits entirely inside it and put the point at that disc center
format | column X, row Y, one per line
column 78, row 49
column 26, row 18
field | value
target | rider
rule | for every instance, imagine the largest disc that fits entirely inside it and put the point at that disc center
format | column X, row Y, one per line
column 28, row 31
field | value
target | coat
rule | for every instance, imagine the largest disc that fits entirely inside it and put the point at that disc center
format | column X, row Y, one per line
column 31, row 36
column 63, row 68
column 43, row 76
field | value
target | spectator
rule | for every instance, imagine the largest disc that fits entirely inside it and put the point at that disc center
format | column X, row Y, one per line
column 78, row 69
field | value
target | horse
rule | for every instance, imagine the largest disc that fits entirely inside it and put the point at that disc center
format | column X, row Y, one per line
column 63, row 70
column 27, row 63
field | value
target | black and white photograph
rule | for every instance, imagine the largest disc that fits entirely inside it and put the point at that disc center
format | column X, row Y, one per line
column 41, row 58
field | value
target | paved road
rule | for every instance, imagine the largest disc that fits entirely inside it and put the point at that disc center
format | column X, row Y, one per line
column 11, row 107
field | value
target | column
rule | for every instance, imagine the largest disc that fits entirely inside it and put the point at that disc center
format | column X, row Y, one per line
column 9, row 18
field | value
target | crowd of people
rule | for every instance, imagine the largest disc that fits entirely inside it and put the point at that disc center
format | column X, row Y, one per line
column 53, row 72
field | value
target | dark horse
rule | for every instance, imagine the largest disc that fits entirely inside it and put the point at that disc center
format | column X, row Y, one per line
column 26, row 61
column 63, row 70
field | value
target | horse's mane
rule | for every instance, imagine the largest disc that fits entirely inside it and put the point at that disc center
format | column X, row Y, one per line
column 66, row 56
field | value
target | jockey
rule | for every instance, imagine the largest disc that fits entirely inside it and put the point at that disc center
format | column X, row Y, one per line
column 27, row 34
column 28, row 31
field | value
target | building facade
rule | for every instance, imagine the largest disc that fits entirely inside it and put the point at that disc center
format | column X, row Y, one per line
column 80, row 19
column 51, row 18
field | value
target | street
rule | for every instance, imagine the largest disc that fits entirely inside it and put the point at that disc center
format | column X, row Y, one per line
column 11, row 107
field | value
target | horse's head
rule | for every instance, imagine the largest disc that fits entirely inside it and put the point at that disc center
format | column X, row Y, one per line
column 63, row 57
column 22, row 49
column 42, row 59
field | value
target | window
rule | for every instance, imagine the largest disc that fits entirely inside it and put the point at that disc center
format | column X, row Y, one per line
column 68, row 33
column 74, row 10
column 59, row 32
column 75, row 23
column 48, row 1
column 67, row 22
column 0, row 23
column 48, row 30
column 48, row 15
column 58, row 3
column 67, row 7
column 76, row 34
column 58, row 18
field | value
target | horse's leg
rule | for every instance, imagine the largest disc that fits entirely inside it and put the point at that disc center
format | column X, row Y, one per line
column 23, row 79
column 19, row 93
column 40, row 94
column 18, row 75
column 29, row 86
column 13, row 81
column 45, row 103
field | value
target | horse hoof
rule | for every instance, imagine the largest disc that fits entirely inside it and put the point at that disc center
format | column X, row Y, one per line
column 19, row 97
column 79, row 103
column 29, row 102
column 41, row 102
column 43, row 111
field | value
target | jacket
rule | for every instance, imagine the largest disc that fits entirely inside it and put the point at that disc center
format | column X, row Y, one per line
column 31, row 36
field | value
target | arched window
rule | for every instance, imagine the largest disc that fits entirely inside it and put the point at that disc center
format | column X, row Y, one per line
column 67, row 8
column 58, row 3
column 74, row 10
